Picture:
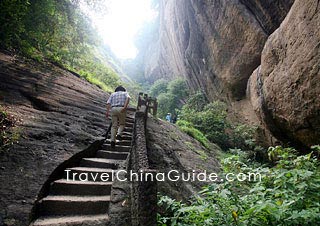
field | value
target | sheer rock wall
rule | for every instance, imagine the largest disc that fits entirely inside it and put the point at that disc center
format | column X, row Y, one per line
column 217, row 45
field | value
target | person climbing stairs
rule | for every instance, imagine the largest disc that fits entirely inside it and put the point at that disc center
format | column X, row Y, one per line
column 73, row 201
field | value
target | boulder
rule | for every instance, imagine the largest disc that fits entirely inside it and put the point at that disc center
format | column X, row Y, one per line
column 288, row 85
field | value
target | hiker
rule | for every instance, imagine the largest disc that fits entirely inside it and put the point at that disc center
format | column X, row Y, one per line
column 174, row 119
column 118, row 102
column 168, row 117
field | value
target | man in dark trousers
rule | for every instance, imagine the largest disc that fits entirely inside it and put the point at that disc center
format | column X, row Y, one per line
column 118, row 103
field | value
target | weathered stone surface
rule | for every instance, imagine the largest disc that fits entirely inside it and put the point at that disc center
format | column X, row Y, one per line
column 215, row 45
column 269, row 13
column 253, row 107
column 289, row 89
column 61, row 113
column 170, row 149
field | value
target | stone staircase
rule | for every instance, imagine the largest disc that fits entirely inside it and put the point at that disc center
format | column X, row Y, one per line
column 74, row 201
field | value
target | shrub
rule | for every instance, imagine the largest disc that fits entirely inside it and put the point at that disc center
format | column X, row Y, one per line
column 286, row 195
column 170, row 95
column 57, row 31
column 242, row 136
column 188, row 128
column 160, row 86
column 166, row 104
column 209, row 118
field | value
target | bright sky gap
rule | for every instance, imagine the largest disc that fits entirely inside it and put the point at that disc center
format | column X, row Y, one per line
column 119, row 24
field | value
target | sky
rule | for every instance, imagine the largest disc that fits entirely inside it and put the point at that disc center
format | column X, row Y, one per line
column 119, row 24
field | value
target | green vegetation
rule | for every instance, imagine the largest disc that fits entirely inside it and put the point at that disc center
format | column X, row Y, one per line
column 160, row 86
column 189, row 129
column 211, row 120
column 56, row 31
column 8, row 133
column 171, row 95
column 200, row 119
column 288, row 194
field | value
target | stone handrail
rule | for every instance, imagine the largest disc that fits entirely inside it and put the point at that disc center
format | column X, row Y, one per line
column 143, row 190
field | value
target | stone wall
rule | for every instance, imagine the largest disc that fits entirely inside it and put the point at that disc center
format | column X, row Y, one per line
column 144, row 191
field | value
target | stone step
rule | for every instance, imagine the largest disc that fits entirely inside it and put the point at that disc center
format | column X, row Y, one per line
column 121, row 143
column 74, row 205
column 89, row 174
column 67, row 187
column 131, row 109
column 125, row 136
column 129, row 124
column 128, row 129
column 118, row 148
column 112, row 155
column 100, row 163
column 80, row 220
column 130, row 120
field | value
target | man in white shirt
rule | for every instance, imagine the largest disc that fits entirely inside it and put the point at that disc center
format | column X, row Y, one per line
column 118, row 103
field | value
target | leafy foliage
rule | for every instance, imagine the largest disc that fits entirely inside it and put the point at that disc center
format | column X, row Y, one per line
column 166, row 104
column 160, row 86
column 58, row 31
column 209, row 118
column 242, row 136
column 288, row 194
column 170, row 95
column 189, row 129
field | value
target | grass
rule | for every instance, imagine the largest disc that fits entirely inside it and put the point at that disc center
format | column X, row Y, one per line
column 9, row 134
column 188, row 128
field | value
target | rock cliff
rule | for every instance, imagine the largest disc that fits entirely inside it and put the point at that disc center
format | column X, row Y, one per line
column 287, row 82
column 60, row 114
column 216, row 46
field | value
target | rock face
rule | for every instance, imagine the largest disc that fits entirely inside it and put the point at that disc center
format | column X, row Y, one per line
column 215, row 45
column 170, row 149
column 62, row 114
column 288, row 83
column 269, row 14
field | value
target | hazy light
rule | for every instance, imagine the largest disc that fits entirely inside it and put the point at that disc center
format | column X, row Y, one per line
column 121, row 22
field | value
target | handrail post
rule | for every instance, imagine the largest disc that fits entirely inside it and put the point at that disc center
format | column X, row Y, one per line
column 143, row 190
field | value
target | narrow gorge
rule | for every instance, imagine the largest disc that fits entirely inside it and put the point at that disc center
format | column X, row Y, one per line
column 261, row 57
column 240, row 77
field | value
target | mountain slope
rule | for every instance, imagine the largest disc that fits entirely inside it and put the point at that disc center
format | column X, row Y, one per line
column 60, row 115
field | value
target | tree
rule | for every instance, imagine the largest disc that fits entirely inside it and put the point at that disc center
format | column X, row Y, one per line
column 171, row 95
column 56, row 31
column 167, row 104
column 179, row 89
column 160, row 86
